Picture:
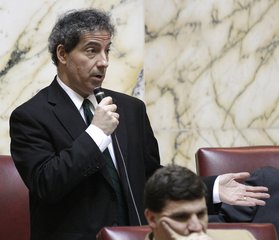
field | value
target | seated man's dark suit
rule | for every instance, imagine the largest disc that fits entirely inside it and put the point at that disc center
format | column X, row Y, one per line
column 267, row 176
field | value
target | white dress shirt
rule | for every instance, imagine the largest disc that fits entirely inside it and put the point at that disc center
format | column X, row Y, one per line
column 99, row 137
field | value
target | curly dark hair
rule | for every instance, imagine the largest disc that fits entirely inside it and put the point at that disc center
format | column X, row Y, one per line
column 173, row 183
column 73, row 24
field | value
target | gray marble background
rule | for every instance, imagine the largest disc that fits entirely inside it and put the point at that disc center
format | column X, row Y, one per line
column 208, row 70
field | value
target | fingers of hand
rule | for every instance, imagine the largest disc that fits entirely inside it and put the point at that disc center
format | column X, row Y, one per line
column 198, row 236
column 257, row 195
column 114, row 115
column 108, row 111
column 109, row 108
column 243, row 195
column 176, row 227
column 250, row 202
column 241, row 175
column 167, row 228
column 252, row 198
column 106, row 118
column 106, row 101
column 256, row 189
column 229, row 178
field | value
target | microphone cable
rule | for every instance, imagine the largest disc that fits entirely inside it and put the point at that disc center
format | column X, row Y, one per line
column 99, row 94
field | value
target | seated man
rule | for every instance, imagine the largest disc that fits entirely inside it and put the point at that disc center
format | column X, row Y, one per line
column 175, row 207
column 267, row 176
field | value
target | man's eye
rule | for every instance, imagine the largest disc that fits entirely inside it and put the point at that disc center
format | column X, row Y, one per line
column 201, row 214
column 90, row 50
column 180, row 218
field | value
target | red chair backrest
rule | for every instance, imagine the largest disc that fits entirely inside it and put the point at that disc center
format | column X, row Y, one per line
column 216, row 161
column 263, row 231
column 123, row 233
column 14, row 205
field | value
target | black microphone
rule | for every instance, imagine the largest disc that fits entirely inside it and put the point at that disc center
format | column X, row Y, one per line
column 99, row 94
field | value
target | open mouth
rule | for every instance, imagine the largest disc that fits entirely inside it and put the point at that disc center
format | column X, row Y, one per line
column 98, row 76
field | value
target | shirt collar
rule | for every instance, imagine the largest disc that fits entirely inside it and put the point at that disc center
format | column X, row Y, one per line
column 75, row 97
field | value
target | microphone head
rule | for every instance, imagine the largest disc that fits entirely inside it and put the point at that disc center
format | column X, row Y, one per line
column 99, row 94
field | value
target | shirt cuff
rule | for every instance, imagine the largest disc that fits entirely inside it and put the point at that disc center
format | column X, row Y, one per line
column 98, row 136
column 216, row 195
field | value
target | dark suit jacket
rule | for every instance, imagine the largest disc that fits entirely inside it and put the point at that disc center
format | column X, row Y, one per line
column 71, row 196
column 267, row 176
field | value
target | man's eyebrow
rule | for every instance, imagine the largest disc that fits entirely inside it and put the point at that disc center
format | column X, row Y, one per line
column 96, row 44
column 183, row 212
column 177, row 214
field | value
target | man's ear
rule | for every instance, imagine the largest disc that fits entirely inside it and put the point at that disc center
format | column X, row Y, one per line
column 61, row 53
column 150, row 217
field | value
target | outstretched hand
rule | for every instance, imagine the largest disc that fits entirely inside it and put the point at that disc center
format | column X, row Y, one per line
column 235, row 193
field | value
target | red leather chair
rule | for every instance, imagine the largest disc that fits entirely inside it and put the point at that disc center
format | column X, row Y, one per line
column 14, row 208
column 265, row 231
column 123, row 233
column 216, row 161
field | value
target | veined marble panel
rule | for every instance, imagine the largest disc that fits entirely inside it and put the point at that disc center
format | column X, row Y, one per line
column 26, row 67
column 212, row 70
column 211, row 67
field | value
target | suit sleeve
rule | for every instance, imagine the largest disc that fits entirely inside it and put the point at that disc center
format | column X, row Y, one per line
column 209, row 182
column 49, row 172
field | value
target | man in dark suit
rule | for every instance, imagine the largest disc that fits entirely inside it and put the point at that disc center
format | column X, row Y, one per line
column 266, row 176
column 60, row 157
column 83, row 173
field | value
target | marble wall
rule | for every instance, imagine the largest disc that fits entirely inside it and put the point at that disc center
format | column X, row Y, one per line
column 212, row 74
column 26, row 66
column 210, row 66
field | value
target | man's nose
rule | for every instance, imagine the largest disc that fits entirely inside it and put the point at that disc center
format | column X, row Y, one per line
column 102, row 60
column 194, row 224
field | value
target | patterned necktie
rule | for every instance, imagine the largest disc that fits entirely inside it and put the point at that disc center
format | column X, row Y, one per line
column 122, row 208
column 87, row 112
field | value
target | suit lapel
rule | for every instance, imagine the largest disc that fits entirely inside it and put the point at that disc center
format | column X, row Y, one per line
column 65, row 110
column 69, row 116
